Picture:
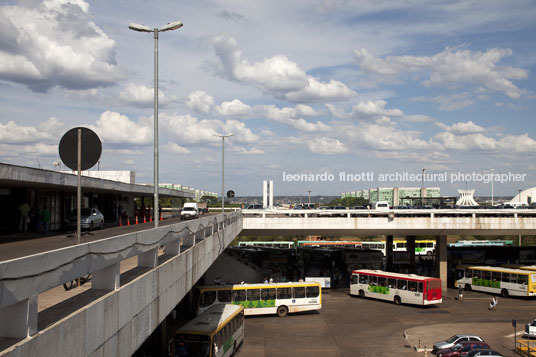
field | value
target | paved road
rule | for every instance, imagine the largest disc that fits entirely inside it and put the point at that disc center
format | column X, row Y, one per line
column 23, row 244
column 348, row 326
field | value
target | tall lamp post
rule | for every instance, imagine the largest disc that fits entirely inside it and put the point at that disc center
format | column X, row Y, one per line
column 142, row 28
column 492, row 187
column 222, row 169
column 422, row 188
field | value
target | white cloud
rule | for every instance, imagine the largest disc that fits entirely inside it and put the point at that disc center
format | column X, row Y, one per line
column 452, row 67
column 191, row 130
column 18, row 134
column 452, row 102
column 55, row 43
column 200, row 101
column 234, row 108
column 276, row 75
column 176, row 149
column 327, row 146
column 365, row 110
column 507, row 144
column 114, row 128
column 141, row 96
column 462, row 128
column 243, row 151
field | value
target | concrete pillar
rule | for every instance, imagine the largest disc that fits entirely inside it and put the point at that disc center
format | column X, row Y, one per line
column 19, row 320
column 264, row 194
column 410, row 248
column 271, row 200
column 389, row 253
column 107, row 278
column 396, row 197
column 173, row 248
column 441, row 260
column 148, row 259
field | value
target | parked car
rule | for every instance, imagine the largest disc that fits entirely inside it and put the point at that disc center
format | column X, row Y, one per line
column 254, row 206
column 326, row 213
column 90, row 218
column 530, row 329
column 483, row 352
column 451, row 341
column 339, row 214
column 461, row 349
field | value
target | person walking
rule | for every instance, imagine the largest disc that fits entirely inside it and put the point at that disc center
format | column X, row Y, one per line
column 24, row 210
column 460, row 293
column 45, row 219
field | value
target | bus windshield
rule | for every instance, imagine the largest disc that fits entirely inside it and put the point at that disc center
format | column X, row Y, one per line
column 192, row 348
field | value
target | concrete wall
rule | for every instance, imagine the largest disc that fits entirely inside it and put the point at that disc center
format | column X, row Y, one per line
column 232, row 271
column 117, row 323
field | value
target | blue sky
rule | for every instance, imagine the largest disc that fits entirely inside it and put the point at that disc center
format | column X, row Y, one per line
column 305, row 87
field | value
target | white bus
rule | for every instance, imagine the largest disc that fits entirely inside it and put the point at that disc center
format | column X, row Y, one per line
column 399, row 288
column 217, row 332
column 261, row 299
column 271, row 244
column 496, row 280
column 422, row 247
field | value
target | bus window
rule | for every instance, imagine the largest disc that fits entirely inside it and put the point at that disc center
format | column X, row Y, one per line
column 419, row 287
column 505, row 277
column 382, row 281
column 253, row 294
column 402, row 284
column 373, row 280
column 354, row 279
column 495, row 276
column 224, row 295
column 391, row 283
column 298, row 292
column 363, row 279
column 312, row 291
column 268, row 294
column 412, row 285
column 207, row 298
column 468, row 273
column 283, row 293
column 239, row 295
column 486, row 275
column 522, row 279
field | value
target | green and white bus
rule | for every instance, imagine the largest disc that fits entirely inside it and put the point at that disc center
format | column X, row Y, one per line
column 496, row 280
column 217, row 332
column 262, row 299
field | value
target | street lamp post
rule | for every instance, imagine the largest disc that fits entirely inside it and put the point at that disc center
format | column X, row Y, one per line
column 142, row 28
column 492, row 187
column 222, row 169
column 422, row 188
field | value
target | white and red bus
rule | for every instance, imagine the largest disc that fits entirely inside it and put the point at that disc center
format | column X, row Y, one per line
column 399, row 288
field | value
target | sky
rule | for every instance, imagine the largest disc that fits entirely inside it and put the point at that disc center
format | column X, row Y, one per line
column 315, row 92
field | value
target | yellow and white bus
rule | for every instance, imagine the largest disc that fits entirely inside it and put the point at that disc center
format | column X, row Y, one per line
column 399, row 288
column 261, row 299
column 496, row 280
column 217, row 332
column 422, row 247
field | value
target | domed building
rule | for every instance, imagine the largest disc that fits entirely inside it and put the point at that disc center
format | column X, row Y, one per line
column 527, row 196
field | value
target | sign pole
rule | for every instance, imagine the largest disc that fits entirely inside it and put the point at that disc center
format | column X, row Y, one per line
column 79, row 187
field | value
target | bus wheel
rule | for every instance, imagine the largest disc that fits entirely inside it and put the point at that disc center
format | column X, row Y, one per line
column 468, row 287
column 361, row 294
column 234, row 349
column 505, row 293
column 282, row 311
column 429, row 253
column 397, row 300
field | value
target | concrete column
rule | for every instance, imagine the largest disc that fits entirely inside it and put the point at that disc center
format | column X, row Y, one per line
column 410, row 248
column 148, row 259
column 19, row 320
column 389, row 253
column 173, row 248
column 264, row 194
column 271, row 200
column 396, row 197
column 107, row 278
column 441, row 260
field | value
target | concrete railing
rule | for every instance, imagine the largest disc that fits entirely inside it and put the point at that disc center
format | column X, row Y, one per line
column 191, row 247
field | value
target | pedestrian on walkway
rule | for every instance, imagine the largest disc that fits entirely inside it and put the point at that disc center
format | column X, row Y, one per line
column 24, row 210
column 493, row 304
column 460, row 293
column 45, row 219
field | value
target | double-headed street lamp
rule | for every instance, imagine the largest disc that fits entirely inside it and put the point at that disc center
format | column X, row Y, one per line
column 222, row 169
column 142, row 28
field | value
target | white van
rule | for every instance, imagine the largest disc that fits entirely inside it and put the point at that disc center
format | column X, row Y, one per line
column 190, row 211
column 381, row 206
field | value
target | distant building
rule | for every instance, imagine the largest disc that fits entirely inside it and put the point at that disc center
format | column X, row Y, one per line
column 119, row 176
column 398, row 196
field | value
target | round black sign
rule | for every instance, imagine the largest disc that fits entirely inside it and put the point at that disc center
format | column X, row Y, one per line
column 230, row 194
column 91, row 148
